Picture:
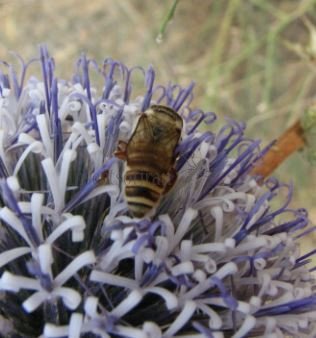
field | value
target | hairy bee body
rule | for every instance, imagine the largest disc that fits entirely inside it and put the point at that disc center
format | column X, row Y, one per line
column 150, row 157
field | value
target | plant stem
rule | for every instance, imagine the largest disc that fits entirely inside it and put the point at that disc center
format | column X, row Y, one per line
column 288, row 143
column 167, row 19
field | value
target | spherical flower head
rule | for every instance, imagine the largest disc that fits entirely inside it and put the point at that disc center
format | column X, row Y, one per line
column 218, row 256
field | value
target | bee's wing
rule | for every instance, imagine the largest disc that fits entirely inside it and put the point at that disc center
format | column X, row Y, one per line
column 142, row 134
column 171, row 138
column 152, row 135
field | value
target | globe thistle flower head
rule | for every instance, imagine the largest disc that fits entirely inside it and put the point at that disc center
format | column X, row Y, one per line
column 217, row 257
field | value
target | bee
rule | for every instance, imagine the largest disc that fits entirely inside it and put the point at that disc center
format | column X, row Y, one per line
column 149, row 157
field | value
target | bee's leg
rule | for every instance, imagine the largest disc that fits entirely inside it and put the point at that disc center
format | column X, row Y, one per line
column 120, row 151
column 104, row 178
column 172, row 180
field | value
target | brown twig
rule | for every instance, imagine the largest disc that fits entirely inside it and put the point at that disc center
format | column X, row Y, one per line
column 288, row 143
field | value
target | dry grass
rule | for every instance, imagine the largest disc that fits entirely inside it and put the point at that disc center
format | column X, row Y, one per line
column 251, row 59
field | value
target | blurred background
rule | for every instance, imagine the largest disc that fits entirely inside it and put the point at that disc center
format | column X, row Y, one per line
column 252, row 60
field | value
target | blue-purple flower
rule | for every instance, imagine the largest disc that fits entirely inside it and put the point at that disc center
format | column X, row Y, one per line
column 219, row 257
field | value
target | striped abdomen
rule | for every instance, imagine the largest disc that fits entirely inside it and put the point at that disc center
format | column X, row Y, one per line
column 143, row 189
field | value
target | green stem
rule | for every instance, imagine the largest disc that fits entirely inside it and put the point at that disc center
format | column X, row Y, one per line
column 283, row 22
column 167, row 19
column 219, row 48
